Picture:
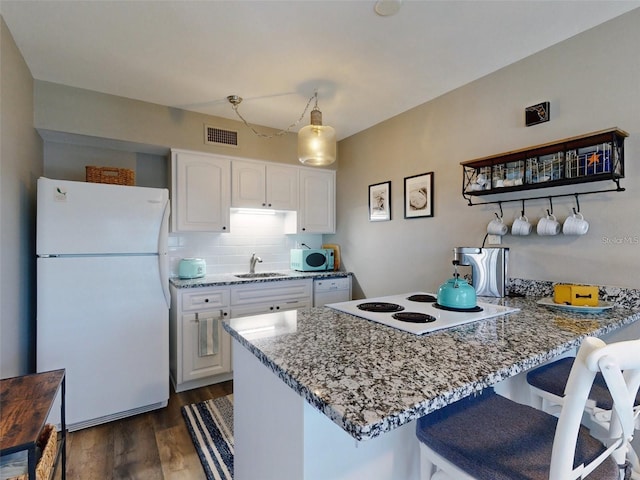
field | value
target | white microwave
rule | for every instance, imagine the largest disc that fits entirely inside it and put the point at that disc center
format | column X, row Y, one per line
column 311, row 259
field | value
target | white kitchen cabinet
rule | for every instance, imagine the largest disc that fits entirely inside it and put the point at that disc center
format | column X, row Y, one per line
column 270, row 297
column 200, row 192
column 263, row 185
column 269, row 307
column 317, row 201
column 192, row 306
column 199, row 347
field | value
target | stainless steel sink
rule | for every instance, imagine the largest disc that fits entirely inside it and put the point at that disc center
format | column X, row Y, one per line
column 260, row 275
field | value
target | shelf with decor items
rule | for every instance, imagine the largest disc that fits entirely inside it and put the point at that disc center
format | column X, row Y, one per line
column 593, row 157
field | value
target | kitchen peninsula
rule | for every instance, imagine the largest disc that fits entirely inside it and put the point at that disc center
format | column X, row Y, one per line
column 321, row 394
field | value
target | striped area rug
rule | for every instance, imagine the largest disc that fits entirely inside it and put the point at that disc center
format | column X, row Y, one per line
column 210, row 424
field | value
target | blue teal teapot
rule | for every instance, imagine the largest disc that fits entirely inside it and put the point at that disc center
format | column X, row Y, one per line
column 456, row 292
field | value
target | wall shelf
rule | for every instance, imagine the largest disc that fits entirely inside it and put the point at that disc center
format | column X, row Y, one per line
column 593, row 157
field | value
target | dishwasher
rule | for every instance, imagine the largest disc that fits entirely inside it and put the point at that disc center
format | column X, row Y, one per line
column 331, row 290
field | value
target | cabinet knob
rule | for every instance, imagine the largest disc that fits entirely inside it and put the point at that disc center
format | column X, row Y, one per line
column 206, row 300
column 303, row 229
column 269, row 205
column 278, row 307
column 264, row 204
column 224, row 228
column 270, row 308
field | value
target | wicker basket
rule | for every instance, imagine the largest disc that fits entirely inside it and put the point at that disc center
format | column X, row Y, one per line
column 48, row 444
column 115, row 176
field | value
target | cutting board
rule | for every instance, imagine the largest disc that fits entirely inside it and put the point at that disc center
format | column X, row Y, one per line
column 336, row 254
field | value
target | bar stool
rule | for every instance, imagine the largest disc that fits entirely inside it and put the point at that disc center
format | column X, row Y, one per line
column 547, row 384
column 490, row 437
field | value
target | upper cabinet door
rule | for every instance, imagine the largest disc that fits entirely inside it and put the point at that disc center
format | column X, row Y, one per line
column 317, row 209
column 282, row 187
column 263, row 185
column 248, row 184
column 200, row 192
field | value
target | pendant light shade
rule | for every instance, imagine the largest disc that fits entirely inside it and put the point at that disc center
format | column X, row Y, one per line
column 316, row 142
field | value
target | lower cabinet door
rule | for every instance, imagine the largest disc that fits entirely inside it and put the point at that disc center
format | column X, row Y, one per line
column 206, row 347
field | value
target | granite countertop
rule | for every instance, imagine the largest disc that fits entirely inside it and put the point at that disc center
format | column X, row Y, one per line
column 369, row 378
column 221, row 279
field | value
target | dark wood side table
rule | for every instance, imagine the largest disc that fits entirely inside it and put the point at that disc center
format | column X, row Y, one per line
column 25, row 403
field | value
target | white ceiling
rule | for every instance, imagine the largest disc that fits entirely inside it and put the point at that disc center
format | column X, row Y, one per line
column 366, row 68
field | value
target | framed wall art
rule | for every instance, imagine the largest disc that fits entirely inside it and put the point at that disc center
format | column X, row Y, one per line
column 380, row 202
column 418, row 196
column 536, row 114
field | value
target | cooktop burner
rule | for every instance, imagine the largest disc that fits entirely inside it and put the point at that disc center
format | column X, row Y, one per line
column 477, row 308
column 380, row 307
column 414, row 317
column 416, row 312
column 425, row 298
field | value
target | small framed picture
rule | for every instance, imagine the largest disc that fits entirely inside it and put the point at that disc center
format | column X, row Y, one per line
column 380, row 202
column 536, row 114
column 418, row 196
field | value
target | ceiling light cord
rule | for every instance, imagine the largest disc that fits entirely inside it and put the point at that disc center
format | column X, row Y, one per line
column 235, row 100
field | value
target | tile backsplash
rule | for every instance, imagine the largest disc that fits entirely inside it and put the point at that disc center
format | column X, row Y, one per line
column 230, row 252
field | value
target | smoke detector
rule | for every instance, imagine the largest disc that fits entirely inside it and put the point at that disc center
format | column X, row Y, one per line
column 386, row 8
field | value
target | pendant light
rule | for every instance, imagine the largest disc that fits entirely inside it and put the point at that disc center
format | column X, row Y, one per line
column 317, row 142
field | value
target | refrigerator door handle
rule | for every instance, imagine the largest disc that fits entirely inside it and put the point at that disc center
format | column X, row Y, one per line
column 163, row 261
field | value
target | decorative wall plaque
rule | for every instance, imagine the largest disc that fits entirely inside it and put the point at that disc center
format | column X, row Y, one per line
column 537, row 114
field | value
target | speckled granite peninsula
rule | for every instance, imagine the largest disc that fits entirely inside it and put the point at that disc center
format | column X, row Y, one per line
column 372, row 380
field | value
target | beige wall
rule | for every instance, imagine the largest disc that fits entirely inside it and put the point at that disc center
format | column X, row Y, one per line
column 592, row 82
column 69, row 161
column 139, row 126
column 20, row 166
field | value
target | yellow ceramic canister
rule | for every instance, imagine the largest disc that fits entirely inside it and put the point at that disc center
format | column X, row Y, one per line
column 577, row 295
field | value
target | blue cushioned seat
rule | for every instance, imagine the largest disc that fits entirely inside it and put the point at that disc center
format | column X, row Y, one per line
column 553, row 376
column 493, row 438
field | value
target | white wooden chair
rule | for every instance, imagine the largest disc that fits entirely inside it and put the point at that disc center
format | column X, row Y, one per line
column 488, row 437
column 547, row 385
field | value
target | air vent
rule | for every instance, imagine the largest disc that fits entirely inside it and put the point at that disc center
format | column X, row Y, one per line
column 219, row 136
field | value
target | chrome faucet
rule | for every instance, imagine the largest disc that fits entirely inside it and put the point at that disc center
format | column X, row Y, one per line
column 252, row 263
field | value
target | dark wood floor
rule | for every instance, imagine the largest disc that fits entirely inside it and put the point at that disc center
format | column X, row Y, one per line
column 150, row 446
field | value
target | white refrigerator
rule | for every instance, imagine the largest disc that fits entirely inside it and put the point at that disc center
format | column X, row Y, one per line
column 103, row 297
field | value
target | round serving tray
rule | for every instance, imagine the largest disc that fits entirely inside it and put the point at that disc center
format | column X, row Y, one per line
column 601, row 307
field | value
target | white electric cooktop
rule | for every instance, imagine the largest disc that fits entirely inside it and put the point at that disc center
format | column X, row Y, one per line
column 417, row 312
